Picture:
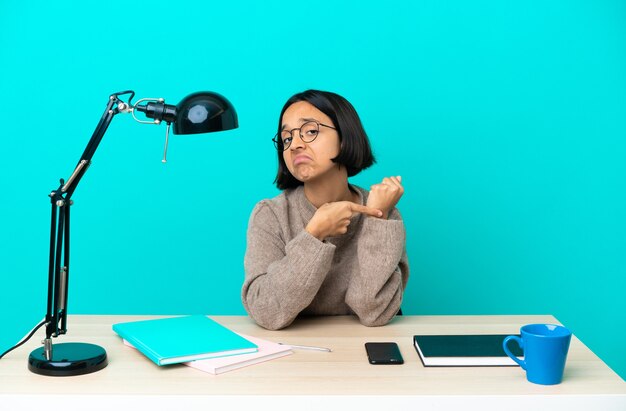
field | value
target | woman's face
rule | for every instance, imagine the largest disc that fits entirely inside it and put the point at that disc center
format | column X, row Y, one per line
column 308, row 161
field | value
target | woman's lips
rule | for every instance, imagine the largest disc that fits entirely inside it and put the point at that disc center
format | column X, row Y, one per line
column 301, row 159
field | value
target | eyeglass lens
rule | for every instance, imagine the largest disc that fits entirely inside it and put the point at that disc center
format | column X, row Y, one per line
column 308, row 133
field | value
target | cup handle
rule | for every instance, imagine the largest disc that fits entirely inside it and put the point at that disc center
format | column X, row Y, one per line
column 508, row 352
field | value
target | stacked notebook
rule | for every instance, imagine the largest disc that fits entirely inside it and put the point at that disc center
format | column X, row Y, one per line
column 464, row 350
column 197, row 341
column 267, row 351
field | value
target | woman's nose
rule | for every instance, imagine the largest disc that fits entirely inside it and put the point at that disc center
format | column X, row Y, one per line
column 296, row 141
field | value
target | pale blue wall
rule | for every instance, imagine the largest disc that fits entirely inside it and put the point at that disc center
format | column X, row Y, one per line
column 506, row 121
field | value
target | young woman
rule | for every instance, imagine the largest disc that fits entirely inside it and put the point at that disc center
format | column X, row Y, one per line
column 324, row 246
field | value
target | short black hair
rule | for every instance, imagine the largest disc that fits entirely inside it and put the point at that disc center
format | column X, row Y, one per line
column 355, row 153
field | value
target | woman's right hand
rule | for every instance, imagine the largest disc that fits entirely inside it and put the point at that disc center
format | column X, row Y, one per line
column 333, row 219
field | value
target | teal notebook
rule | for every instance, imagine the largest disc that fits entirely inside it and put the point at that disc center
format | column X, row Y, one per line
column 181, row 339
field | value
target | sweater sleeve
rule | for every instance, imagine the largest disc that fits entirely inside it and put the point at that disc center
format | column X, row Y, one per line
column 281, row 279
column 375, row 290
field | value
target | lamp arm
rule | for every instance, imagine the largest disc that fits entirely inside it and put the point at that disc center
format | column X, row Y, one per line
column 58, row 274
column 114, row 106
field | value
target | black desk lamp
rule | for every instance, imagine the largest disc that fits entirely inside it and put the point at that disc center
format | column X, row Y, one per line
column 202, row 112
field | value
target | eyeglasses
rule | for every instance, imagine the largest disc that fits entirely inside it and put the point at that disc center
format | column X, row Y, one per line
column 308, row 132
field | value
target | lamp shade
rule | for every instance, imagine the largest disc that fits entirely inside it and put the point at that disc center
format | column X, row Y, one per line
column 204, row 112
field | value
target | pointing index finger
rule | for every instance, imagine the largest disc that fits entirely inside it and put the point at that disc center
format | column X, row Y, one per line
column 366, row 210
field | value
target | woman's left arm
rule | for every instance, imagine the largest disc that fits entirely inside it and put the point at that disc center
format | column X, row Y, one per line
column 376, row 289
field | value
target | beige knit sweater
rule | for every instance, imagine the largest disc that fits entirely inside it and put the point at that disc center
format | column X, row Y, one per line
column 289, row 272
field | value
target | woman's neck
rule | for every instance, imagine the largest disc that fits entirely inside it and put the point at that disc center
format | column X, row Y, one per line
column 329, row 190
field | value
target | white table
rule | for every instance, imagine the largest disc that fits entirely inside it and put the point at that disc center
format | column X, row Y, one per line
column 313, row 380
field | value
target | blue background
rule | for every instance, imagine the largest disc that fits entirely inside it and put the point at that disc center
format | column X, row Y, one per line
column 506, row 120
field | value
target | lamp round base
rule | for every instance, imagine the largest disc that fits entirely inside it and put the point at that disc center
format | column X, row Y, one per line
column 68, row 359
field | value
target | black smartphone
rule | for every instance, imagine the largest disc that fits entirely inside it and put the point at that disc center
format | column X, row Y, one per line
column 383, row 353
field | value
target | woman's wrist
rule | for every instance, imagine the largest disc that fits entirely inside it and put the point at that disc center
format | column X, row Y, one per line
column 315, row 232
column 385, row 215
